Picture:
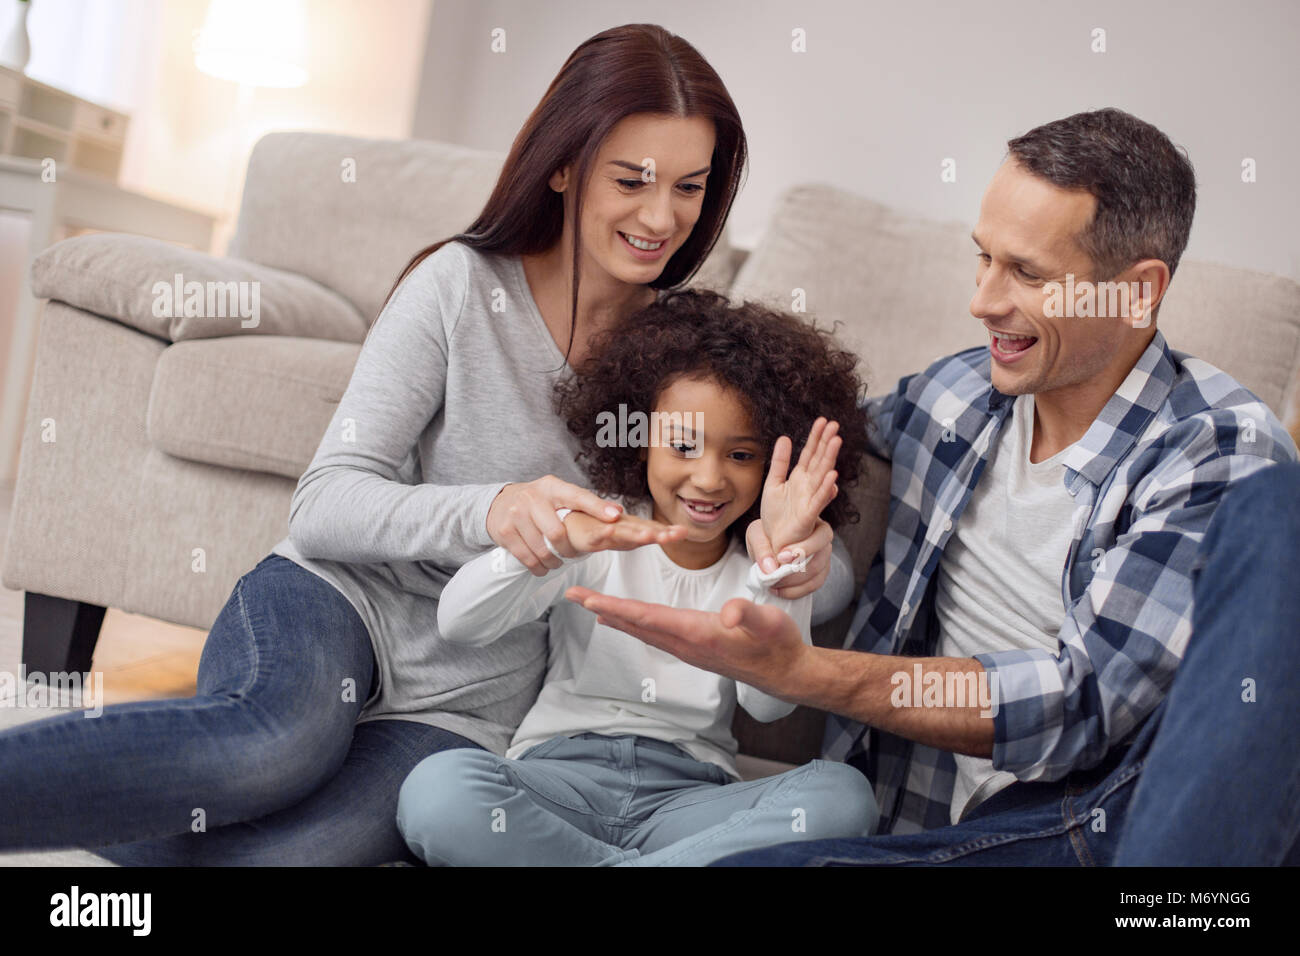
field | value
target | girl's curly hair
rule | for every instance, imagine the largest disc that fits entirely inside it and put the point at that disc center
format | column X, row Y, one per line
column 787, row 372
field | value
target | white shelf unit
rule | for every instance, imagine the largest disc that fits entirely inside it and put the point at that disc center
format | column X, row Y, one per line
column 41, row 122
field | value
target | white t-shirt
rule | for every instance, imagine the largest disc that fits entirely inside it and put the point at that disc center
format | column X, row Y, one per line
column 999, row 582
column 601, row 680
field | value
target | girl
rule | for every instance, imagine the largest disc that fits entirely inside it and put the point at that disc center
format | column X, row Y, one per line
column 321, row 684
column 627, row 756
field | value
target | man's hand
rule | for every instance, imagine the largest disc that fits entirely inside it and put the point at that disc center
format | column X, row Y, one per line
column 759, row 645
column 588, row 534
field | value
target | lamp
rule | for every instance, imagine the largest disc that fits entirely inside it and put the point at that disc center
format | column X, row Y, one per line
column 253, row 43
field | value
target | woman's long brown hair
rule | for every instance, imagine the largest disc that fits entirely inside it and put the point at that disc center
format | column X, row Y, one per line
column 636, row 68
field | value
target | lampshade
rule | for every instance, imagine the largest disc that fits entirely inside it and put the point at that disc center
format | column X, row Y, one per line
column 254, row 42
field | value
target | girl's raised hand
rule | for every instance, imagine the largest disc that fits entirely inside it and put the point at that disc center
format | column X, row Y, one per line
column 791, row 505
column 588, row 534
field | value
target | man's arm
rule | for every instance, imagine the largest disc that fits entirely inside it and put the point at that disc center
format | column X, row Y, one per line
column 761, row 646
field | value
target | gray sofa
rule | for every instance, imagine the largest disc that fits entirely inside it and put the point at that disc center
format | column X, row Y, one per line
column 155, row 440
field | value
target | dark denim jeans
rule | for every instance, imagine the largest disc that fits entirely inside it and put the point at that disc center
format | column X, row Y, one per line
column 1212, row 777
column 266, row 764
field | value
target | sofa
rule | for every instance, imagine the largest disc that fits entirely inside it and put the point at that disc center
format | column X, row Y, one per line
column 161, row 449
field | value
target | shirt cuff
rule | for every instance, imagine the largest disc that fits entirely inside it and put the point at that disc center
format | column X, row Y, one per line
column 1027, row 701
column 758, row 580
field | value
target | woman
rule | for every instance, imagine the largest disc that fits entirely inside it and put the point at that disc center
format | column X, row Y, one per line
column 322, row 682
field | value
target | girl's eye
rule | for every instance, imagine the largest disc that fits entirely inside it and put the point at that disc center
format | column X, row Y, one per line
column 681, row 447
column 743, row 455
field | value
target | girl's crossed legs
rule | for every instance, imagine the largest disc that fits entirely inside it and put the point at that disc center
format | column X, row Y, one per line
column 593, row 800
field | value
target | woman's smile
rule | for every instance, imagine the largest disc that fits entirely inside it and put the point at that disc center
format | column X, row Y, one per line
column 647, row 250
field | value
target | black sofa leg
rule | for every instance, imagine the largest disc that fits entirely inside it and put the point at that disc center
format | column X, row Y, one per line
column 59, row 635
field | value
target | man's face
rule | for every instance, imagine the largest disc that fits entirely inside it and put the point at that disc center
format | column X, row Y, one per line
column 1026, row 238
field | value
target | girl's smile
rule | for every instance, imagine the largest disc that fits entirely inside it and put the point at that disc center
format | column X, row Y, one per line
column 706, row 469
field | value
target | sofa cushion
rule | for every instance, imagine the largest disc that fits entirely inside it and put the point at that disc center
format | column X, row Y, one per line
column 902, row 287
column 133, row 279
column 260, row 404
column 1246, row 323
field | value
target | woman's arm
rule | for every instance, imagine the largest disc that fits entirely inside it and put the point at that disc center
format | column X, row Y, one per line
column 836, row 594
column 355, row 501
column 790, row 508
column 764, row 707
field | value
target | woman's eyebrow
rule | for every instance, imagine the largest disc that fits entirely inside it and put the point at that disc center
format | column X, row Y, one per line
column 641, row 169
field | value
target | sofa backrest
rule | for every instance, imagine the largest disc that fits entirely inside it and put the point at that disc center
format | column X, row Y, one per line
column 350, row 212
column 901, row 287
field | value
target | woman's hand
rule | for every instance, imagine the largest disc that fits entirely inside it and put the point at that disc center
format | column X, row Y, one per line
column 817, row 548
column 588, row 534
column 791, row 506
column 523, row 513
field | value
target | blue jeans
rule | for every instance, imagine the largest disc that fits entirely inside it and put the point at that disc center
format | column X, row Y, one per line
column 1212, row 777
column 596, row 800
column 266, row 764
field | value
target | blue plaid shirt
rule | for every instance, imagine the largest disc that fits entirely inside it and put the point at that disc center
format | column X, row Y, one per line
column 1146, row 478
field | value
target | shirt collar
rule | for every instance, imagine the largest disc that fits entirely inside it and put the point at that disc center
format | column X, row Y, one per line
column 1125, row 415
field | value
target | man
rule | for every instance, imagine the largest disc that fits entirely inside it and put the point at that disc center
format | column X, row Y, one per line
column 1051, row 493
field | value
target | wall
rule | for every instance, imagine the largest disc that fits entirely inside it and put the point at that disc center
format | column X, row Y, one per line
column 886, row 91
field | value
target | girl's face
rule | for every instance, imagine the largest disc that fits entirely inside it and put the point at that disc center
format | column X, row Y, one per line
column 643, row 196
column 704, row 466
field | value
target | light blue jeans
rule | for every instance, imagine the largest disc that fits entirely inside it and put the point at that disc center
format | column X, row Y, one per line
column 594, row 800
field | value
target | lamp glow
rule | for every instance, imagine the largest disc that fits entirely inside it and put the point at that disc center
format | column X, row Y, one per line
column 254, row 42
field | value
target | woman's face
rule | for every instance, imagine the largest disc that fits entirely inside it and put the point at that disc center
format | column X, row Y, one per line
column 644, row 194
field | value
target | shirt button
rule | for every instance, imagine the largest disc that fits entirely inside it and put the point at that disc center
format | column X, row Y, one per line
column 947, row 524
column 903, row 609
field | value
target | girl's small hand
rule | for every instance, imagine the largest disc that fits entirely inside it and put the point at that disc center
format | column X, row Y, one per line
column 817, row 547
column 588, row 534
column 525, row 512
column 791, row 506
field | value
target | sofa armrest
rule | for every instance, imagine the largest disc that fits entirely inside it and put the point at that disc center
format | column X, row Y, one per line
column 175, row 293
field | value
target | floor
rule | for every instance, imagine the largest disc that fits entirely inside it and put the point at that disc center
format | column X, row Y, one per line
column 140, row 658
